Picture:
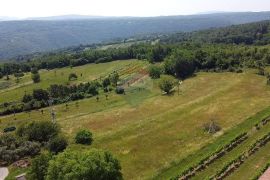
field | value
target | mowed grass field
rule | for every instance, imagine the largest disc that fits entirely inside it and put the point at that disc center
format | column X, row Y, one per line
column 147, row 131
column 12, row 91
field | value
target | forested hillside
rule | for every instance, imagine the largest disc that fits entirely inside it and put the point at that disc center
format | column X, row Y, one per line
column 257, row 33
column 25, row 37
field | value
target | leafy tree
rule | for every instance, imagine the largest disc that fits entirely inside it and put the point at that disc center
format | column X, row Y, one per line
column 40, row 131
column 36, row 78
column 57, row 144
column 84, row 137
column 27, row 98
column 93, row 164
column 72, row 76
column 167, row 83
column 39, row 167
column 40, row 94
column 154, row 71
column 181, row 63
column 158, row 53
column 92, row 88
column 34, row 70
column 106, row 82
column 114, row 78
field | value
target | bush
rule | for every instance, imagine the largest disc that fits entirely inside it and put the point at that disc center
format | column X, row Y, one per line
column 106, row 82
column 13, row 149
column 120, row 90
column 27, row 98
column 9, row 129
column 212, row 127
column 167, row 83
column 72, row 76
column 57, row 144
column 84, row 137
column 39, row 167
column 36, row 78
column 93, row 164
column 41, row 131
column 154, row 71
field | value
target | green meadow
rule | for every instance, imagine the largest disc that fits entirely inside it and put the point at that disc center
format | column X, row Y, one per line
column 153, row 134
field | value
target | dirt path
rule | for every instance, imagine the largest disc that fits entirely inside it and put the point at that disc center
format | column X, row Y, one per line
column 266, row 175
column 3, row 173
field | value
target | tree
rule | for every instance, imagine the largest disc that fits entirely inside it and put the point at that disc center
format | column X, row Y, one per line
column 180, row 63
column 167, row 83
column 40, row 94
column 154, row 71
column 114, row 78
column 158, row 53
column 84, row 137
column 92, row 164
column 27, row 98
column 106, row 82
column 40, row 131
column 72, row 76
column 57, row 144
column 36, row 78
column 39, row 167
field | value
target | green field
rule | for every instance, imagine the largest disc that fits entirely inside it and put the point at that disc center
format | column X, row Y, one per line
column 152, row 134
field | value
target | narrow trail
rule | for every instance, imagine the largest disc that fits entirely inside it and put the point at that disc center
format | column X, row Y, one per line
column 3, row 173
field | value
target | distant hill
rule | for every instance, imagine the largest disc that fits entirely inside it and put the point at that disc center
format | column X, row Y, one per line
column 29, row 36
column 257, row 33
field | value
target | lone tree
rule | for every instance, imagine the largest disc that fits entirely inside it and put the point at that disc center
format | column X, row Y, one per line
column 84, row 137
column 114, row 78
column 92, row 164
column 167, row 83
column 72, row 76
column 154, row 71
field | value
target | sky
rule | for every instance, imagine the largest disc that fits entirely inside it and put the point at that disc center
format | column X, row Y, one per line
column 42, row 8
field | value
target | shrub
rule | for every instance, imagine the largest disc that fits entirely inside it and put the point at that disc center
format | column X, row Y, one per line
column 41, row 131
column 10, row 129
column 120, row 90
column 84, row 137
column 39, row 167
column 72, row 76
column 93, row 164
column 27, row 98
column 106, row 82
column 212, row 127
column 57, row 144
column 36, row 78
column 13, row 149
column 167, row 83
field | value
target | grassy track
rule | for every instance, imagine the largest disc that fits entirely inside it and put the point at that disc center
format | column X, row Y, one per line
column 152, row 135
